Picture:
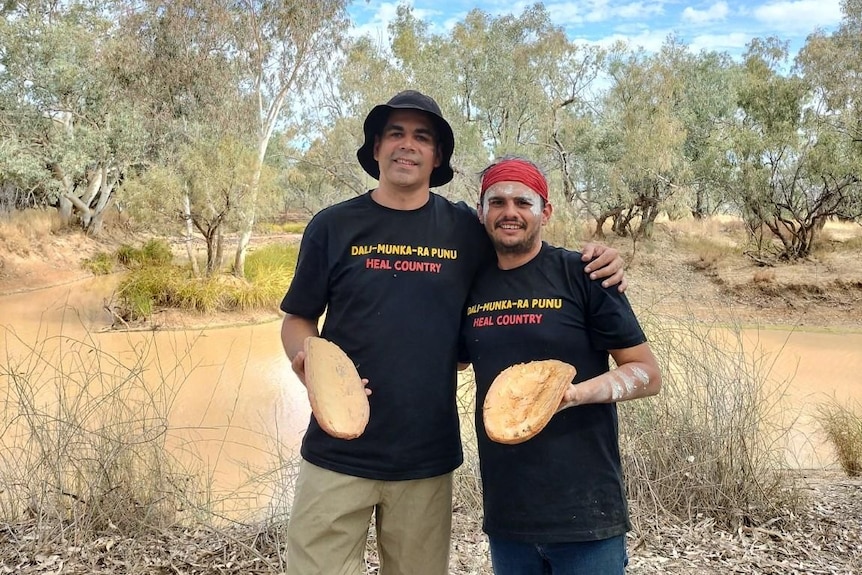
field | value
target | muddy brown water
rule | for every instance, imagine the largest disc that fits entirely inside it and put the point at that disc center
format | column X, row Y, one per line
column 237, row 411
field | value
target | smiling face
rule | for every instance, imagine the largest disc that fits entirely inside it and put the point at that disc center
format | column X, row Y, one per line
column 513, row 216
column 406, row 151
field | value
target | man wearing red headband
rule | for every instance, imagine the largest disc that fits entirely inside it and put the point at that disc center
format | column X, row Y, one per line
column 391, row 269
column 554, row 504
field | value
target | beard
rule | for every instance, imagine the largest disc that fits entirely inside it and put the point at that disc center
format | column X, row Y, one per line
column 522, row 246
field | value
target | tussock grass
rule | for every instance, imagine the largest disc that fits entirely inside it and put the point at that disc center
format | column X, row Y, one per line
column 282, row 228
column 268, row 271
column 842, row 423
column 30, row 223
column 708, row 251
column 710, row 444
column 99, row 264
column 83, row 442
column 21, row 230
column 155, row 252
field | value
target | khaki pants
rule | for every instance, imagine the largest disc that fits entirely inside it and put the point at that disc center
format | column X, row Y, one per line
column 331, row 512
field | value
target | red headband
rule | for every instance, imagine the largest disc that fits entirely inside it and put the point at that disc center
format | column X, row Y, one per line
column 515, row 171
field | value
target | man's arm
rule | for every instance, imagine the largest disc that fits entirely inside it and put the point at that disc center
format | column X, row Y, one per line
column 605, row 262
column 294, row 330
column 637, row 375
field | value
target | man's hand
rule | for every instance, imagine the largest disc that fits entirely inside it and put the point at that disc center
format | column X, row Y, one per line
column 298, row 365
column 605, row 262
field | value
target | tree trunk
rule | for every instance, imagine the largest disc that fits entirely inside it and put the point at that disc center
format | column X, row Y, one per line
column 106, row 194
column 65, row 210
column 187, row 216
column 210, row 238
column 219, row 257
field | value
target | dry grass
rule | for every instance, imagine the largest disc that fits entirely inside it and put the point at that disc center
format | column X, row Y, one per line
column 842, row 422
column 709, row 445
column 21, row 231
column 83, row 447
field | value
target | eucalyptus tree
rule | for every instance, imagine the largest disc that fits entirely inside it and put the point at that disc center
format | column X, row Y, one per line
column 706, row 108
column 794, row 167
column 282, row 45
column 646, row 163
column 63, row 109
column 318, row 165
column 506, row 75
column 177, row 64
column 440, row 66
column 507, row 83
column 832, row 64
column 206, row 186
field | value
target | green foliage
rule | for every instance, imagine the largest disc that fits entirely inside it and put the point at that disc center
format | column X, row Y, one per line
column 283, row 228
column 155, row 252
column 842, row 422
column 269, row 270
column 147, row 288
column 273, row 260
column 100, row 264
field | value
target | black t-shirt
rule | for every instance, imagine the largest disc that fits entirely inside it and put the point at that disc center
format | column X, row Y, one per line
column 565, row 484
column 393, row 284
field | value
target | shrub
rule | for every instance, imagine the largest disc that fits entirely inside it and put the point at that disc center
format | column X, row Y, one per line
column 708, row 444
column 268, row 272
column 156, row 252
column 842, row 423
column 83, row 446
column 100, row 264
column 127, row 255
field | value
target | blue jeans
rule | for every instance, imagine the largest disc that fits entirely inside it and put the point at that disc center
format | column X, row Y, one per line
column 604, row 557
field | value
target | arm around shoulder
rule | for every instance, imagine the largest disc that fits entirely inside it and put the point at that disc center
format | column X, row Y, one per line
column 605, row 263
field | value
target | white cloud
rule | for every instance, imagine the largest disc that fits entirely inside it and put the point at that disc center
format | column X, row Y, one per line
column 639, row 10
column 649, row 40
column 604, row 10
column 733, row 42
column 564, row 13
column 716, row 12
column 799, row 16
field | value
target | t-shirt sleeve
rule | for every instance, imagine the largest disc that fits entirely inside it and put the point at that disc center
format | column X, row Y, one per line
column 309, row 290
column 613, row 324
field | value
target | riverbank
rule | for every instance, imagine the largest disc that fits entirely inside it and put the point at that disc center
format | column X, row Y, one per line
column 679, row 275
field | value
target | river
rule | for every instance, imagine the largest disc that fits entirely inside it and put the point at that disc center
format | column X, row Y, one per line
column 237, row 412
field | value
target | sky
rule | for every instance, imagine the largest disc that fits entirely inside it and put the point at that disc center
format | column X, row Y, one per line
column 719, row 25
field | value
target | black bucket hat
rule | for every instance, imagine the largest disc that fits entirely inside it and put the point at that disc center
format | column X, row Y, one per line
column 408, row 100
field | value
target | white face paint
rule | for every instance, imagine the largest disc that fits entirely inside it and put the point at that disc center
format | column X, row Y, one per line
column 509, row 190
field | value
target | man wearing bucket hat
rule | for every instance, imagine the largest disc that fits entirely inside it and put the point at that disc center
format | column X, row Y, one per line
column 554, row 503
column 391, row 269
